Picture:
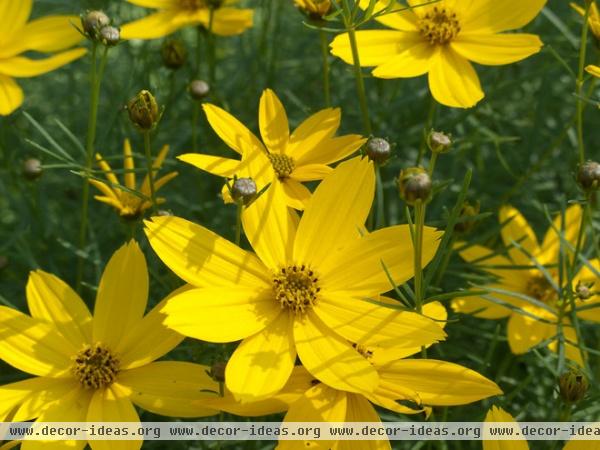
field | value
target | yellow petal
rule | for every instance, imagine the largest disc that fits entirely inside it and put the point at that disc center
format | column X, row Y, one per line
column 486, row 259
column 228, row 314
column 368, row 323
column 273, row 122
column 492, row 16
column 338, row 209
column 570, row 231
column 21, row 67
column 296, row 195
column 262, row 363
column 404, row 19
column 330, row 358
column 122, row 295
column 358, row 409
column 32, row 345
column 13, row 395
column 364, row 259
column 453, row 81
column 153, row 26
column 486, row 309
column 231, row 130
column 311, row 172
column 515, row 229
column 201, row 257
column 221, row 167
column 171, row 388
column 525, row 332
column 496, row 414
column 11, row 95
column 572, row 351
column 129, row 165
column 51, row 299
column 312, row 131
column 159, row 4
column 38, row 400
column 14, row 15
column 413, row 61
column 231, row 21
column 330, row 150
column 374, row 46
column 439, row 383
column 108, row 172
column 594, row 70
column 496, row 49
column 106, row 190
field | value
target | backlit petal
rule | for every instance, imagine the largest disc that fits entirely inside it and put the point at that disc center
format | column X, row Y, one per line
column 496, row 49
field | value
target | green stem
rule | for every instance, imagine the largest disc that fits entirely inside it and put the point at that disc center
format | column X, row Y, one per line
column 95, row 82
column 380, row 215
column 432, row 162
column 325, row 56
column 426, row 129
column 150, row 169
column 195, row 118
column 238, row 222
column 199, row 32
column 579, row 82
column 418, row 248
column 211, row 57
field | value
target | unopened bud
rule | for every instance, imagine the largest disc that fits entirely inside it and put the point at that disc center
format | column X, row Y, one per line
column 583, row 291
column 110, row 36
column 143, row 110
column 173, row 54
column 32, row 169
column 466, row 222
column 573, row 386
column 378, row 150
column 217, row 371
column 93, row 22
column 439, row 142
column 198, row 89
column 243, row 189
column 588, row 175
column 414, row 184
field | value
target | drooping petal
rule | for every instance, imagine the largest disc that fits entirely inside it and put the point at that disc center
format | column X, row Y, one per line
column 11, row 95
column 496, row 49
column 221, row 167
column 570, row 231
column 203, row 258
column 273, row 122
column 152, row 26
column 453, row 81
column 33, row 346
column 525, row 332
column 262, row 363
column 231, row 130
column 515, row 229
column 413, row 61
column 122, row 295
column 496, row 414
column 374, row 46
column 22, row 67
column 228, row 314
column 495, row 16
column 338, row 209
column 439, row 383
column 171, row 388
column 330, row 358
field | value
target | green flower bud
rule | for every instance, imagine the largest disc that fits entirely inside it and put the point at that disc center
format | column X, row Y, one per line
column 414, row 184
column 588, row 176
column 439, row 142
column 32, row 169
column 143, row 110
column 93, row 22
column 110, row 36
column 173, row 53
column 378, row 150
column 199, row 89
column 244, row 189
column 583, row 291
column 573, row 386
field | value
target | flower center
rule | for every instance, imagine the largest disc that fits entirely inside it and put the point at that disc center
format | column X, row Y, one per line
column 364, row 351
column 95, row 367
column 296, row 288
column 439, row 26
column 283, row 165
column 540, row 288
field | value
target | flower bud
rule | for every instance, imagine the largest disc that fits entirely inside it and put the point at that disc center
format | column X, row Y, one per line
column 588, row 175
column 243, row 189
column 314, row 9
column 143, row 110
column 378, row 150
column 439, row 142
column 583, row 291
column 110, row 36
column 32, row 169
column 466, row 222
column 198, row 89
column 573, row 386
column 217, row 371
column 93, row 22
column 414, row 184
column 173, row 53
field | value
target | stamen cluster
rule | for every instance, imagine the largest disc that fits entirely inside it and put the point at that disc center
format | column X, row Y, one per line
column 283, row 165
column 95, row 367
column 439, row 26
column 296, row 288
column 540, row 288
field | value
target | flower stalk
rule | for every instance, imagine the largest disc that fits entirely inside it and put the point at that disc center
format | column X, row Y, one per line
column 150, row 169
column 326, row 68
column 579, row 82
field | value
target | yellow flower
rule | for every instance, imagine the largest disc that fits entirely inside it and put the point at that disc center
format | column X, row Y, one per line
column 531, row 322
column 175, row 14
column 593, row 17
column 419, row 382
column 307, row 291
column 128, row 205
column 441, row 38
column 314, row 8
column 594, row 70
column 95, row 368
column 284, row 160
column 45, row 35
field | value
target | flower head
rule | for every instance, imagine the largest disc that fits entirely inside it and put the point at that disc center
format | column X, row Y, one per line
column 281, row 159
column 441, row 39
column 95, row 368
column 46, row 35
column 126, row 202
column 305, row 292
column 314, row 9
column 175, row 14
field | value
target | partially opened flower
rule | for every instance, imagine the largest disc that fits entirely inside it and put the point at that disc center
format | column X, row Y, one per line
column 441, row 39
column 46, row 35
column 95, row 368
column 175, row 14
column 531, row 294
column 281, row 158
column 593, row 20
column 311, row 287
column 126, row 202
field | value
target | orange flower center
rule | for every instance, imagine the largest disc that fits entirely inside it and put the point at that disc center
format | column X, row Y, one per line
column 296, row 288
column 95, row 367
column 541, row 289
column 439, row 26
column 283, row 165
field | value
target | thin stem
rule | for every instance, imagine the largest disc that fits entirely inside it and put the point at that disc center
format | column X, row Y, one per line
column 432, row 162
column 579, row 82
column 150, row 169
column 195, row 118
column 210, row 50
column 199, row 32
column 418, row 248
column 380, row 214
column 426, row 129
column 325, row 56
column 238, row 222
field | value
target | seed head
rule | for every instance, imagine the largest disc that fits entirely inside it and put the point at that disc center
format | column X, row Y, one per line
column 573, row 386
column 199, row 89
column 143, row 110
column 414, row 184
column 439, row 142
column 32, row 169
column 244, row 189
column 378, row 150
column 173, row 53
column 92, row 22
column 588, row 176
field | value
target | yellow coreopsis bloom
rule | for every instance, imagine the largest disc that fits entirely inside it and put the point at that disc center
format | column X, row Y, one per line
column 307, row 291
column 95, row 368
column 284, row 159
column 127, row 204
column 45, row 35
column 593, row 17
column 441, row 39
column 314, row 8
column 534, row 316
column 175, row 14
